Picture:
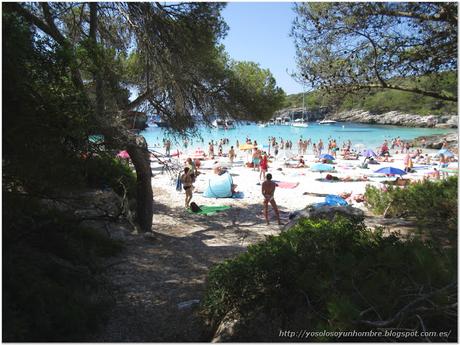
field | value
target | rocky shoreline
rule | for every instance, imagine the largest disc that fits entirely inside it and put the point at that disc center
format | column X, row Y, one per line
column 435, row 141
column 394, row 118
column 397, row 119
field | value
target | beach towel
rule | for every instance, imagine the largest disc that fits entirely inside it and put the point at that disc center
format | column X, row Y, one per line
column 178, row 183
column 209, row 210
column 286, row 185
column 331, row 200
column 335, row 200
column 449, row 170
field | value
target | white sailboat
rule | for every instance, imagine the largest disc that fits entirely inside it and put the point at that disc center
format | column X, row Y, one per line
column 223, row 124
column 327, row 122
column 301, row 122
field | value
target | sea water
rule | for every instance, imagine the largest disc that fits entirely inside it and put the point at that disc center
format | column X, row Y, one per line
column 371, row 136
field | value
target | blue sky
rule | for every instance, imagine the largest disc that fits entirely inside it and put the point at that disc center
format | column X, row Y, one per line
column 259, row 32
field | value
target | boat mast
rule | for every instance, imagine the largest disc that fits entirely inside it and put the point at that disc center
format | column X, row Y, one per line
column 303, row 104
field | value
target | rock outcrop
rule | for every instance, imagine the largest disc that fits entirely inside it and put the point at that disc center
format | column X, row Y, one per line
column 397, row 119
column 325, row 212
column 435, row 141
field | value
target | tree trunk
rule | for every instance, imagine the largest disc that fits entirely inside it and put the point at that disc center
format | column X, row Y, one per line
column 141, row 160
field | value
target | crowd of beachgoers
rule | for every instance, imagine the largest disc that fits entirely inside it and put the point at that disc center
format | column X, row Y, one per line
column 302, row 171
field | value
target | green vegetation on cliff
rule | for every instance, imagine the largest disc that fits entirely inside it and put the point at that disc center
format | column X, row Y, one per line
column 382, row 101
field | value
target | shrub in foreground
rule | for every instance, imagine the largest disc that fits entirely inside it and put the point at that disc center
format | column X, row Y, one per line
column 105, row 171
column 434, row 204
column 323, row 275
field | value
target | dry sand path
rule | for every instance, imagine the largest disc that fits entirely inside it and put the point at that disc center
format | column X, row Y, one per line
column 154, row 274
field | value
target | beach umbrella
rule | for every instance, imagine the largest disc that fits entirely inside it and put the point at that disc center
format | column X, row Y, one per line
column 369, row 153
column 327, row 156
column 322, row 167
column 123, row 154
column 390, row 171
column 445, row 152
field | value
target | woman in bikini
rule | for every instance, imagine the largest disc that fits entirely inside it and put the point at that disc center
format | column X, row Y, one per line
column 187, row 179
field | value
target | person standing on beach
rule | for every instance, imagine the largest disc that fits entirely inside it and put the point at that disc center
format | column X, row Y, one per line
column 268, row 191
column 211, row 150
column 187, row 182
column 408, row 164
column 320, row 147
column 168, row 148
column 256, row 159
column 231, row 154
column 315, row 150
column 445, row 144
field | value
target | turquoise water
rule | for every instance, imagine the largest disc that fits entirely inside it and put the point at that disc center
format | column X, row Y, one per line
column 367, row 135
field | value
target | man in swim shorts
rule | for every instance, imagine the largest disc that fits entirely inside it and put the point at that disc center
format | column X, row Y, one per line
column 268, row 191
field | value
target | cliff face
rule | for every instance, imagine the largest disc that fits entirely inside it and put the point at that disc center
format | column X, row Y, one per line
column 397, row 119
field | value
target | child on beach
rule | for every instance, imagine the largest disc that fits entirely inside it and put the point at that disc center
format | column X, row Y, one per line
column 256, row 159
column 268, row 191
column 263, row 166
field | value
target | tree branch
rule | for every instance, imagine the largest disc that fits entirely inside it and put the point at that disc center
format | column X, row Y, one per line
column 34, row 20
column 406, row 308
column 56, row 34
column 413, row 90
column 421, row 16
column 138, row 101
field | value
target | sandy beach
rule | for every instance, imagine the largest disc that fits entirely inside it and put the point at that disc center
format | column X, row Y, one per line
column 311, row 186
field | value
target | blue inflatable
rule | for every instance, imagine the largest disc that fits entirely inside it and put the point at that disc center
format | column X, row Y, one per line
column 335, row 200
column 219, row 186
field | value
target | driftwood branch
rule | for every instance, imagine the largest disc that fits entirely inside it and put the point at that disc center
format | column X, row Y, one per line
column 408, row 307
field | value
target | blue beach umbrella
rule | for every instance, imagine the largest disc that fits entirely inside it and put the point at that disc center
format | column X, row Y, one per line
column 369, row 153
column 445, row 152
column 390, row 171
column 327, row 156
column 321, row 167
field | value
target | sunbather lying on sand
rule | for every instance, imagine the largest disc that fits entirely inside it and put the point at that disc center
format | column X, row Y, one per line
column 350, row 157
column 400, row 182
column 330, row 178
column 349, row 197
column 385, row 159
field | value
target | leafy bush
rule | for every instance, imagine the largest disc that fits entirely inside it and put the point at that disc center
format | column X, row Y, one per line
column 333, row 275
column 52, row 289
column 432, row 203
column 105, row 171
